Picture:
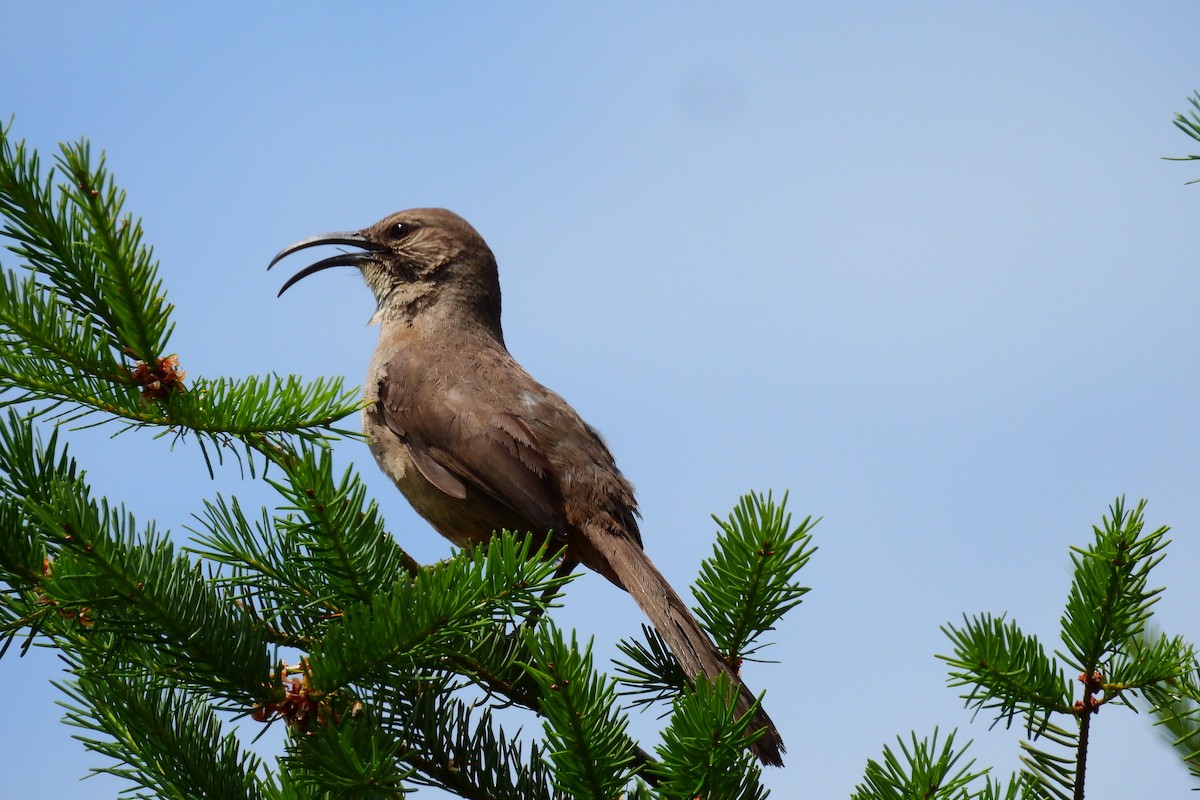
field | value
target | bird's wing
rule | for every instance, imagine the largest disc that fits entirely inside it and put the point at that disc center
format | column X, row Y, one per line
column 457, row 444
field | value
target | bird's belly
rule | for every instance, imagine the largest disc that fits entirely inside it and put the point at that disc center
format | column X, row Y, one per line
column 470, row 521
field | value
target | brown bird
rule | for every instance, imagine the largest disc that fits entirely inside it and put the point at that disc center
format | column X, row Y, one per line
column 476, row 444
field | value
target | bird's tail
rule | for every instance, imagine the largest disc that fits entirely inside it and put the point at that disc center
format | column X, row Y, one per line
column 692, row 646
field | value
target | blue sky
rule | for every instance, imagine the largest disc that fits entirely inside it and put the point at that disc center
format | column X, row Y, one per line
column 918, row 264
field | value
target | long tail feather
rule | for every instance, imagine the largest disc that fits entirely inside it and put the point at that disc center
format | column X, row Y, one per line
column 689, row 642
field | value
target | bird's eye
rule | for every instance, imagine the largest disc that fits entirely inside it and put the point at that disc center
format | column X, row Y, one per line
column 401, row 229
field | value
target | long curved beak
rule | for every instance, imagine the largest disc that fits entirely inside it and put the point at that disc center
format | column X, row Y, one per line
column 354, row 239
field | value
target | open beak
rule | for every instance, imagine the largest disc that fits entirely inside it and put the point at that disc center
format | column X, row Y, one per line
column 355, row 239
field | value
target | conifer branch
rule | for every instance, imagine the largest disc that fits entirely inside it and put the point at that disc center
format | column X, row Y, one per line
column 162, row 739
column 747, row 584
column 89, row 324
column 588, row 745
column 1103, row 632
column 463, row 750
column 1189, row 123
column 703, row 752
column 744, row 588
column 922, row 768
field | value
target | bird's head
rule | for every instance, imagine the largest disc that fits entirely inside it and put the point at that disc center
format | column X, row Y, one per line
column 419, row 263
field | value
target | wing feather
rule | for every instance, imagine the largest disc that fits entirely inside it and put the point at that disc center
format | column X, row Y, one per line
column 455, row 446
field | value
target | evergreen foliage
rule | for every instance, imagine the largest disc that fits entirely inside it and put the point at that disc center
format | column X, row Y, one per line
column 703, row 730
column 744, row 587
column 1189, row 123
column 387, row 674
column 1010, row 674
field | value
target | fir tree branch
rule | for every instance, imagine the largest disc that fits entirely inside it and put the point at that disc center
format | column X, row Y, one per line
column 469, row 754
column 744, row 588
column 921, row 769
column 1006, row 670
column 36, row 327
column 116, row 579
column 746, row 585
column 1109, row 601
column 412, row 625
column 258, row 406
column 263, row 572
column 352, row 757
column 163, row 740
column 328, row 549
column 76, row 235
column 1055, row 776
column 1173, row 701
column 592, row 754
column 1145, row 662
column 1103, row 631
column 652, row 672
column 340, row 534
column 1178, row 715
column 703, row 752
column 1189, row 123
column 131, row 297
column 89, row 325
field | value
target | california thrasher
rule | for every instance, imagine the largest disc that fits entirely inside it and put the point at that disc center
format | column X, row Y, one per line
column 476, row 444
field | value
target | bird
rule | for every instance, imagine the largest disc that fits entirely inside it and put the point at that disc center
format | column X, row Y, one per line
column 476, row 445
